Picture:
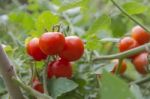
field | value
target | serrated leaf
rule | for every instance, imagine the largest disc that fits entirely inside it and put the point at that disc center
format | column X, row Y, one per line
column 57, row 87
column 114, row 88
column 101, row 22
column 46, row 20
column 134, row 7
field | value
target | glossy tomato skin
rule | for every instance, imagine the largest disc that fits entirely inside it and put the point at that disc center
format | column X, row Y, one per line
column 123, row 66
column 127, row 43
column 34, row 50
column 140, row 62
column 140, row 35
column 73, row 50
column 60, row 68
column 52, row 43
column 37, row 85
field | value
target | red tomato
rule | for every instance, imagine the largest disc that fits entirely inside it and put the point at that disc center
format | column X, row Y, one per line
column 60, row 68
column 52, row 43
column 140, row 35
column 140, row 62
column 127, row 43
column 123, row 66
column 37, row 85
column 73, row 50
column 34, row 50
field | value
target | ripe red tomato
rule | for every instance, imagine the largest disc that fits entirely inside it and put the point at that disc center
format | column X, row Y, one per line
column 140, row 35
column 37, row 85
column 34, row 50
column 73, row 50
column 60, row 68
column 52, row 43
column 127, row 43
column 140, row 62
column 123, row 66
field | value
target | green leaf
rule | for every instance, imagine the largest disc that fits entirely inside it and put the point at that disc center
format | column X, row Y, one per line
column 2, row 86
column 57, row 87
column 114, row 88
column 92, row 41
column 136, row 91
column 28, row 22
column 75, row 3
column 101, row 22
column 45, row 21
column 134, row 7
column 118, row 26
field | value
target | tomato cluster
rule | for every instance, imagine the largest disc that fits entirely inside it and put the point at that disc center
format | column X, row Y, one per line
column 138, row 37
column 67, row 49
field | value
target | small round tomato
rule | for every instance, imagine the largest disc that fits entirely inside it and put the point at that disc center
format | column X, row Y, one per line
column 52, row 43
column 140, row 35
column 123, row 66
column 73, row 50
column 34, row 50
column 37, row 85
column 127, row 43
column 140, row 62
column 60, row 68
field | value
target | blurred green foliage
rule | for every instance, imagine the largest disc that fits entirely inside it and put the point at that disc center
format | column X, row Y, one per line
column 93, row 21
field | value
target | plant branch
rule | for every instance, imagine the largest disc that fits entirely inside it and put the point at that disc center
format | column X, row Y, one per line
column 130, row 17
column 7, row 71
column 124, row 54
column 30, row 90
column 119, row 66
column 141, row 81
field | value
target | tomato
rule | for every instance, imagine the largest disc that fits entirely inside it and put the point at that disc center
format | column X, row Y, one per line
column 52, row 43
column 123, row 66
column 34, row 50
column 60, row 68
column 73, row 50
column 140, row 35
column 140, row 62
column 127, row 43
column 37, row 85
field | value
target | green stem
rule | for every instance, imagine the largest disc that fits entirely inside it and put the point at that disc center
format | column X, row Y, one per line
column 30, row 90
column 119, row 66
column 123, row 54
column 141, row 81
column 45, row 75
column 130, row 17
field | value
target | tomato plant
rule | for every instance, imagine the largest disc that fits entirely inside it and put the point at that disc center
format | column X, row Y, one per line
column 52, row 43
column 59, row 68
column 34, row 50
column 70, row 45
column 141, row 63
column 140, row 35
column 73, row 49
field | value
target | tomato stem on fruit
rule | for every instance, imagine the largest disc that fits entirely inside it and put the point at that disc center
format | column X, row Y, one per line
column 130, row 17
column 123, row 54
